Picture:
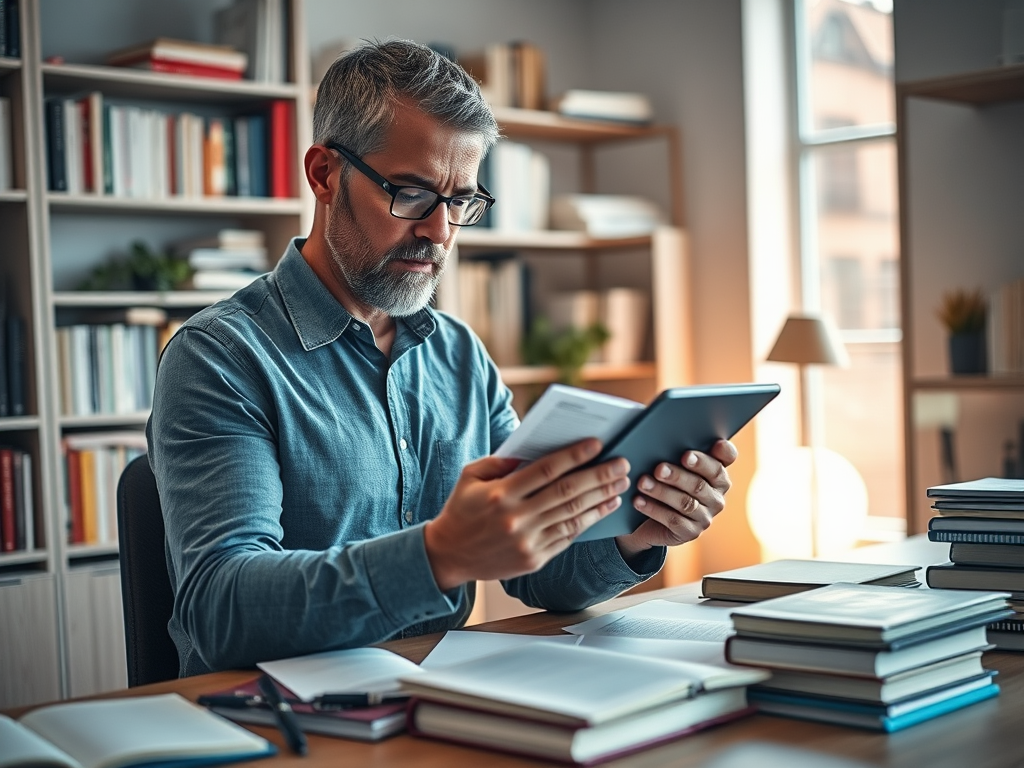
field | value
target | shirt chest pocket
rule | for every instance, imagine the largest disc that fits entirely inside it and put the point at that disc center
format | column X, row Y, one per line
column 450, row 456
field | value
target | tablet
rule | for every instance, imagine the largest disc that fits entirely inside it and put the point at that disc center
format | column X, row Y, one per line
column 678, row 420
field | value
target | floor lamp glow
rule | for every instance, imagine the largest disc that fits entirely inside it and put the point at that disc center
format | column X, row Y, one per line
column 784, row 503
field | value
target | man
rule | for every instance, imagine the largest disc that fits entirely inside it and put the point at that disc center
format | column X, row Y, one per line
column 317, row 438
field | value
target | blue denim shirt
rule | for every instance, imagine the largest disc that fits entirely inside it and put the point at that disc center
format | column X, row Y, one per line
column 297, row 464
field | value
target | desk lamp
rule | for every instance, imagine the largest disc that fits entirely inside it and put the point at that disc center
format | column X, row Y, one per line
column 785, row 493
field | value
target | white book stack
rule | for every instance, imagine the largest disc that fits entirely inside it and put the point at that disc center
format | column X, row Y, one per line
column 255, row 27
column 606, row 216
column 491, row 302
column 229, row 260
column 606, row 105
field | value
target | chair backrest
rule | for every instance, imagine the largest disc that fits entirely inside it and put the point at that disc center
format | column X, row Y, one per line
column 145, row 586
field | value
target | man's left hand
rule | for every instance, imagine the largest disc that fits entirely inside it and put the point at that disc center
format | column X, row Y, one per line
column 680, row 500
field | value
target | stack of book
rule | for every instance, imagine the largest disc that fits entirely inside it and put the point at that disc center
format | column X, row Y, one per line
column 229, row 260
column 257, row 28
column 544, row 700
column 10, row 29
column 786, row 577
column 606, row 216
column 984, row 522
column 494, row 301
column 182, row 57
column 626, row 107
column 17, row 510
column 509, row 74
column 868, row 656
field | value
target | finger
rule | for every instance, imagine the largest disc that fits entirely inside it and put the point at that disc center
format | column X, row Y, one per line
column 682, row 490
column 545, row 471
column 577, row 491
column 703, row 466
column 490, row 467
column 582, row 502
column 725, row 452
column 682, row 527
column 560, row 535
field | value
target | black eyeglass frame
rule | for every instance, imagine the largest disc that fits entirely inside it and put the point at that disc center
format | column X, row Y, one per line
column 394, row 189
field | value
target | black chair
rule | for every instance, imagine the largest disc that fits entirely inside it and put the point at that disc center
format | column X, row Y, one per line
column 145, row 586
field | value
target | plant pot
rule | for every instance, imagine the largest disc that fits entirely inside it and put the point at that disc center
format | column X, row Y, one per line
column 967, row 353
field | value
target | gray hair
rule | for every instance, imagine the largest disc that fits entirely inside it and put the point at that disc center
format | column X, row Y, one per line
column 357, row 97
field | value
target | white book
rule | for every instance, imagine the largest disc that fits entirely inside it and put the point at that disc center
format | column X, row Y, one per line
column 564, row 415
column 222, row 279
column 81, row 370
column 229, row 258
column 131, row 731
column 101, row 483
column 609, row 105
column 95, row 148
column 73, row 147
column 6, row 145
column 119, row 356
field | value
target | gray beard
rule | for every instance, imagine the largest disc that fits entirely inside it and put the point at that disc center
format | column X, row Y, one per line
column 398, row 295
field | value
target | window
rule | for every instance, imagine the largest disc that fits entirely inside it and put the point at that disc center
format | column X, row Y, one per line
column 849, row 238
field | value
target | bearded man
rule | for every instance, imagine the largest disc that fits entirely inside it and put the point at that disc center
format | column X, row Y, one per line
column 321, row 440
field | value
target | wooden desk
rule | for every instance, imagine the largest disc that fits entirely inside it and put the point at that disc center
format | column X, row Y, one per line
column 985, row 735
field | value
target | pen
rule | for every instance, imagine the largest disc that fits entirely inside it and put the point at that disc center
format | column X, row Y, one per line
column 232, row 702
column 286, row 721
column 351, row 700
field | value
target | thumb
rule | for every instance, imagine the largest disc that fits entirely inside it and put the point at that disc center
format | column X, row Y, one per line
column 490, row 468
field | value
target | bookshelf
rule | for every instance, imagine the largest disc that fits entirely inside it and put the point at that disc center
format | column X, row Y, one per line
column 656, row 263
column 62, row 629
column 960, row 189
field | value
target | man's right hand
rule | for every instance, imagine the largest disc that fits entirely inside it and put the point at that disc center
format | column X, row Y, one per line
column 498, row 524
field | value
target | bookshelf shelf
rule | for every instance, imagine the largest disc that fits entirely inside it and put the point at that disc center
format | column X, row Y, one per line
column 13, row 196
column 990, row 86
column 15, row 423
column 546, row 240
column 538, row 124
column 82, row 551
column 592, row 372
column 206, row 206
column 184, row 299
column 106, row 420
column 138, row 84
column 22, row 558
column 1012, row 382
column 7, row 64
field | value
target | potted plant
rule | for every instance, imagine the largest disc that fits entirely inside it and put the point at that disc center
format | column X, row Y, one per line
column 963, row 313
column 567, row 350
column 143, row 269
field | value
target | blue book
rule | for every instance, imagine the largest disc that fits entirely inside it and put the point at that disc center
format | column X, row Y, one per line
column 876, row 717
column 56, row 163
column 259, row 152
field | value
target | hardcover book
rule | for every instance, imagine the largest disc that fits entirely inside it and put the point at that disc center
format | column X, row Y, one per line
column 986, row 488
column 868, row 615
column 786, row 577
column 164, row 730
column 959, row 576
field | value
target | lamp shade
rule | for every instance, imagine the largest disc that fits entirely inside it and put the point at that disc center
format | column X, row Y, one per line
column 809, row 340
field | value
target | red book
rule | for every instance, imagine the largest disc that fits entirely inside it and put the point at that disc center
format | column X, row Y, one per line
column 188, row 68
column 282, row 149
column 7, row 526
column 74, row 480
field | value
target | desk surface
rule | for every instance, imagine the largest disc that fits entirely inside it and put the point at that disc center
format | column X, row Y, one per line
column 985, row 735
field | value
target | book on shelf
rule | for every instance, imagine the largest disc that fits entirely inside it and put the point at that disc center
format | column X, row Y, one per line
column 17, row 508
column 983, row 577
column 93, row 463
column 509, row 74
column 8, row 504
column 124, row 733
column 880, row 717
column 282, row 149
column 221, row 279
column 55, row 142
column 13, row 17
column 227, row 249
column 372, row 723
column 619, row 106
column 867, row 615
column 852, row 661
column 520, row 177
column 215, row 60
column 6, row 145
column 678, row 419
column 606, row 216
column 544, row 700
column 786, row 577
column 16, row 364
column 494, row 301
column 257, row 28
column 1004, row 555
column 908, row 684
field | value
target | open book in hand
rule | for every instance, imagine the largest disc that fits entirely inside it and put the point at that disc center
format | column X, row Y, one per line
column 571, row 703
column 119, row 733
column 679, row 419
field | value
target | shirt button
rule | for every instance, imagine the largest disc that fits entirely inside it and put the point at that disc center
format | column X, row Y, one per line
column 356, row 327
column 402, row 444
column 408, row 515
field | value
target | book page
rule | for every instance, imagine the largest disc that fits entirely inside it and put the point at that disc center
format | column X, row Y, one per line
column 21, row 747
column 661, row 620
column 122, row 732
column 354, row 670
column 564, row 415
column 459, row 645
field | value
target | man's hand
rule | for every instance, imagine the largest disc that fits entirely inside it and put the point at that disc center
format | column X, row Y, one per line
column 496, row 525
column 680, row 500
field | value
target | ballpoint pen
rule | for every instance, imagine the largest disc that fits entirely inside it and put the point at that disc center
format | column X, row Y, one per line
column 286, row 721
column 352, row 700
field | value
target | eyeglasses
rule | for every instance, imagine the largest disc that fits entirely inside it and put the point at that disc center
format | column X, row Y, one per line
column 418, row 203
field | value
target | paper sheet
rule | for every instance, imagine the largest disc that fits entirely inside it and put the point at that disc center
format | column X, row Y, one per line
column 356, row 670
column 457, row 645
column 661, row 620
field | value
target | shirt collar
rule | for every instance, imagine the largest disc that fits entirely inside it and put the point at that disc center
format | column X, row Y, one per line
column 317, row 316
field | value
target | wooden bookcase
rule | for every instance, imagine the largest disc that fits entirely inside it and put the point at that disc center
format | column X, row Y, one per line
column 961, row 189
column 62, row 630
